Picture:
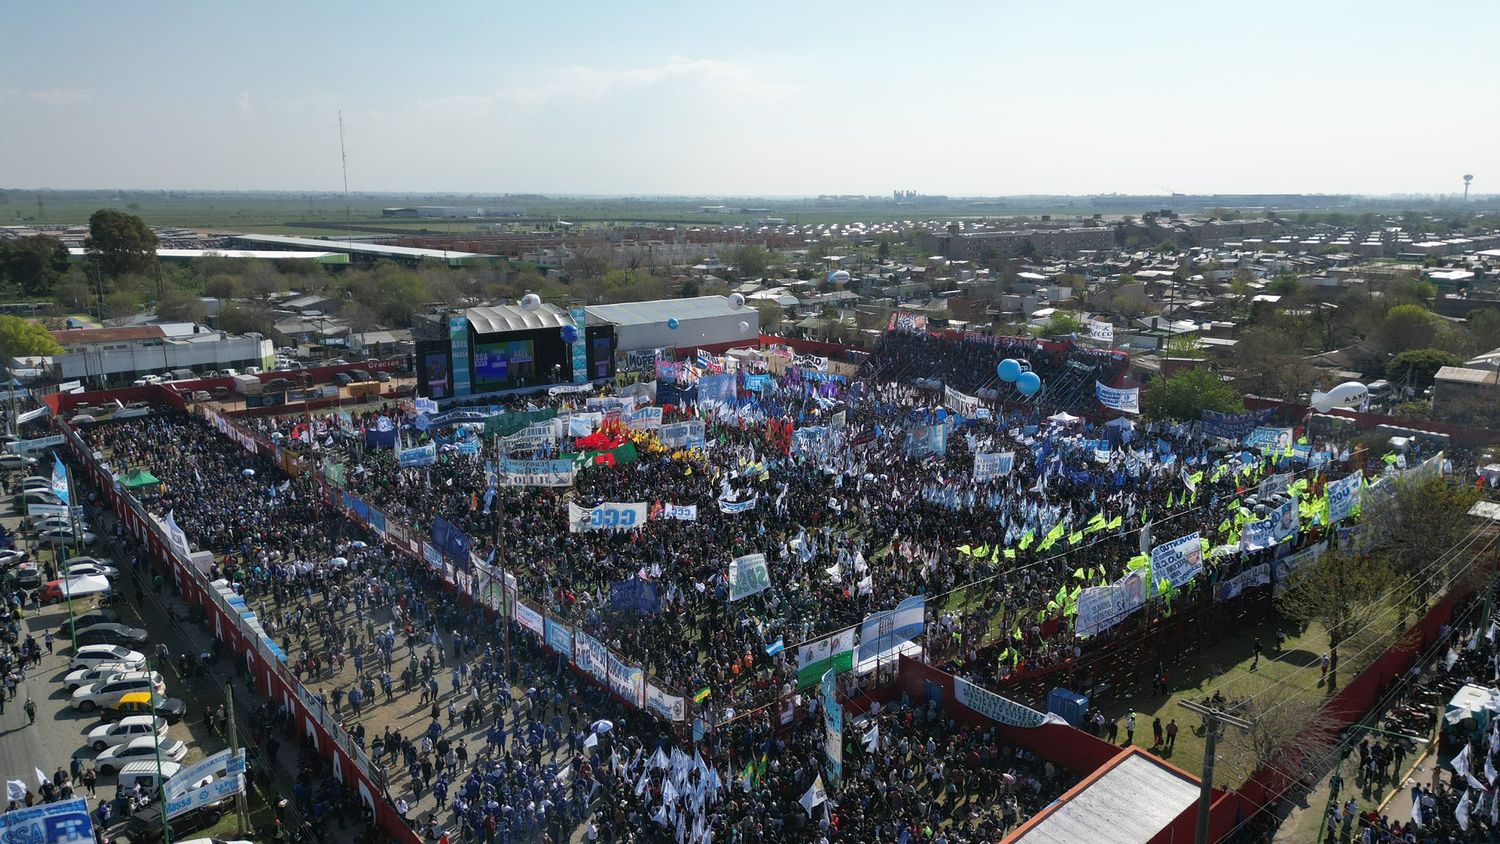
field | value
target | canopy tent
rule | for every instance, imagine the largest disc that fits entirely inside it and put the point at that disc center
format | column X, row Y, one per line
column 88, row 584
column 138, row 478
column 1121, row 423
column 1063, row 418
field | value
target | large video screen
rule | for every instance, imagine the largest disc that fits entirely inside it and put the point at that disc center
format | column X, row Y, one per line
column 507, row 362
column 437, row 375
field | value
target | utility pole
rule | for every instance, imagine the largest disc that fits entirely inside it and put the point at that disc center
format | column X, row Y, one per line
column 1213, row 719
column 241, row 815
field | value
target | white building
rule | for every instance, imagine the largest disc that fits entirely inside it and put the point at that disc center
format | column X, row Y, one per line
column 121, row 355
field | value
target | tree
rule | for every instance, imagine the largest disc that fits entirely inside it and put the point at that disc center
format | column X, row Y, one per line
column 33, row 263
column 1342, row 592
column 1187, row 393
column 120, row 243
column 1418, row 366
column 236, row 318
column 1059, row 324
column 751, row 260
column 120, row 303
column 24, row 338
column 1406, row 327
column 1267, row 362
column 178, row 305
column 1415, row 521
column 770, row 316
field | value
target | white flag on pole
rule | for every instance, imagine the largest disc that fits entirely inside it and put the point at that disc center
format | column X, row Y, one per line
column 815, row 796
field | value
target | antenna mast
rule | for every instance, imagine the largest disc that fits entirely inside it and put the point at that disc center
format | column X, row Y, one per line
column 344, row 162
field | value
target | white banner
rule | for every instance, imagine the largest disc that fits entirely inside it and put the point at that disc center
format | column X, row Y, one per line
column 1230, row 588
column 670, row 707
column 32, row 414
column 726, row 506
column 1177, row 561
column 215, row 764
column 1104, row 332
column 1289, row 564
column 212, row 793
column 529, row 618
column 995, row 707
column 747, row 576
column 998, row 464
column 960, row 403
column 647, row 418
column 680, row 512
column 1343, row 497
column 607, row 516
column 1125, row 401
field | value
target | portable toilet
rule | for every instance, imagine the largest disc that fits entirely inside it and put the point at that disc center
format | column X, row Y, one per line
column 1468, row 712
column 1068, row 705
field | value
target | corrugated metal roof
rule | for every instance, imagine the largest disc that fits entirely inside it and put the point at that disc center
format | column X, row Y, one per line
column 356, row 247
column 1130, row 801
column 661, row 310
column 87, row 336
column 489, row 319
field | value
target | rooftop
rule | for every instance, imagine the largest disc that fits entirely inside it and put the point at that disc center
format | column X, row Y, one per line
column 356, row 248
column 1128, row 801
column 94, row 336
column 646, row 313
column 489, row 319
column 1464, row 375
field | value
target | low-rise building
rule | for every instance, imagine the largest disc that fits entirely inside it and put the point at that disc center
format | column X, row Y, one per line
column 116, row 356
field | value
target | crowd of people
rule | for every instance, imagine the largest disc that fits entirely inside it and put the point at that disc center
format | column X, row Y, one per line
column 509, row 744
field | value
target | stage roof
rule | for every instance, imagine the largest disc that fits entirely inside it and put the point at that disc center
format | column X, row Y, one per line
column 1128, row 801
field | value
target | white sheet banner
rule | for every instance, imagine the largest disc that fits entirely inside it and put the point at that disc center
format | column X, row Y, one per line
column 1104, row 332
column 747, row 576
column 670, row 707
column 529, row 618
column 960, row 403
column 995, row 707
column 726, row 506
column 1343, row 497
column 1125, row 401
column 607, row 516
column 680, row 512
column 1177, row 561
column 995, row 465
column 647, row 418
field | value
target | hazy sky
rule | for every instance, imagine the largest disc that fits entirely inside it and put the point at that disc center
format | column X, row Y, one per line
column 763, row 98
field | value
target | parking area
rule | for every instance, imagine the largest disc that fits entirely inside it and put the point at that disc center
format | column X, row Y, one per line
column 104, row 718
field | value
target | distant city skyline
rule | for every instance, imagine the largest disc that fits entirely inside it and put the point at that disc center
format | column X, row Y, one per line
column 764, row 101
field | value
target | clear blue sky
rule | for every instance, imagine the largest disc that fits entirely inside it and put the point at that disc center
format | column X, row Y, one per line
column 765, row 98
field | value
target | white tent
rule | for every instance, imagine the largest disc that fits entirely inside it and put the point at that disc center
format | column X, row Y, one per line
column 1063, row 418
column 1120, row 422
column 88, row 584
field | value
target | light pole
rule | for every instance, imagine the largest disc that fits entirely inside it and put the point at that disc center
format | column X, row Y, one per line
column 1212, row 720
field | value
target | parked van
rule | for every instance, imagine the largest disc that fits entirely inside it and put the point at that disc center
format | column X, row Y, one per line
column 147, row 774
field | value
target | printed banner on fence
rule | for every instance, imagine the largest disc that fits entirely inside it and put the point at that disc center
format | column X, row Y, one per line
column 1177, row 561
column 683, row 434
column 1288, row 565
column 529, row 618
column 1104, row 332
column 1100, row 608
column 1233, row 426
column 883, row 631
column 627, row 681
column 1343, row 497
column 1279, row 524
column 559, row 637
column 537, row 472
column 834, row 652
column 1114, row 398
column 1230, row 588
column 1274, row 484
column 663, row 705
column 960, row 403
column 606, row 516
column 993, row 465
column 590, row 656
column 833, row 727
column 747, row 576
column 422, row 455
column 995, row 707
column 214, row 764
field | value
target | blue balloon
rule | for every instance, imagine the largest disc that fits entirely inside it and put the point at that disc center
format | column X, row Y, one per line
column 1009, row 370
column 1028, row 383
column 673, row 323
column 570, row 334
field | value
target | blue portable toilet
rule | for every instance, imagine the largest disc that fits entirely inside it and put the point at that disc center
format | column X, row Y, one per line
column 1068, row 705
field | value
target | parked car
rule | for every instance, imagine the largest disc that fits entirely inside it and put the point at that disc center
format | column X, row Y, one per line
column 144, row 827
column 112, row 634
column 361, row 375
column 220, row 393
column 383, row 377
column 52, row 592
column 88, row 656
column 139, row 703
column 12, row 462
column 24, row 499
column 36, row 482
column 92, row 568
column 64, row 536
column 27, row 575
column 112, row 759
column 278, row 385
column 75, row 680
column 60, row 523
column 125, row 729
column 343, row 379
column 88, row 619
column 12, row 557
column 91, row 697
column 253, row 370
column 201, row 395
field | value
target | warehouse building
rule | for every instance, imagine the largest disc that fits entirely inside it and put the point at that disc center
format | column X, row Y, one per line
column 703, row 322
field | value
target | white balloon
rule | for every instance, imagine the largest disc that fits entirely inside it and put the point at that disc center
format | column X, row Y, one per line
column 1347, row 394
column 744, row 327
column 736, row 300
column 530, row 302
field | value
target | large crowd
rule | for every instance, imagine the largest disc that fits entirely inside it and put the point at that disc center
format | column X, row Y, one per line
column 850, row 523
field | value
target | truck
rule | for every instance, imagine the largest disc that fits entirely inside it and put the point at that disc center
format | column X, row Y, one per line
column 247, row 385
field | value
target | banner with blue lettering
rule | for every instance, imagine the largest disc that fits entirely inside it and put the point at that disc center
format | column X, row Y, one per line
column 537, row 472
column 1343, row 497
column 731, row 507
column 716, row 392
column 1177, row 561
column 683, row 434
column 757, row 383
column 451, row 542
column 812, row 439
column 1125, row 401
column 927, row 439
column 559, row 637
column 64, row 822
column 607, row 516
column 422, row 455
column 995, row 465
column 647, row 418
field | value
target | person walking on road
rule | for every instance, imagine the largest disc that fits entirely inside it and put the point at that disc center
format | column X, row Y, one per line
column 30, row 708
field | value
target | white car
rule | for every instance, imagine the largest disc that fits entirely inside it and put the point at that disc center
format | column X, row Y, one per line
column 36, row 482
column 94, row 695
column 12, row 557
column 111, row 759
column 63, row 536
column 85, row 569
column 76, row 680
column 127, row 728
column 89, row 656
column 61, row 523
